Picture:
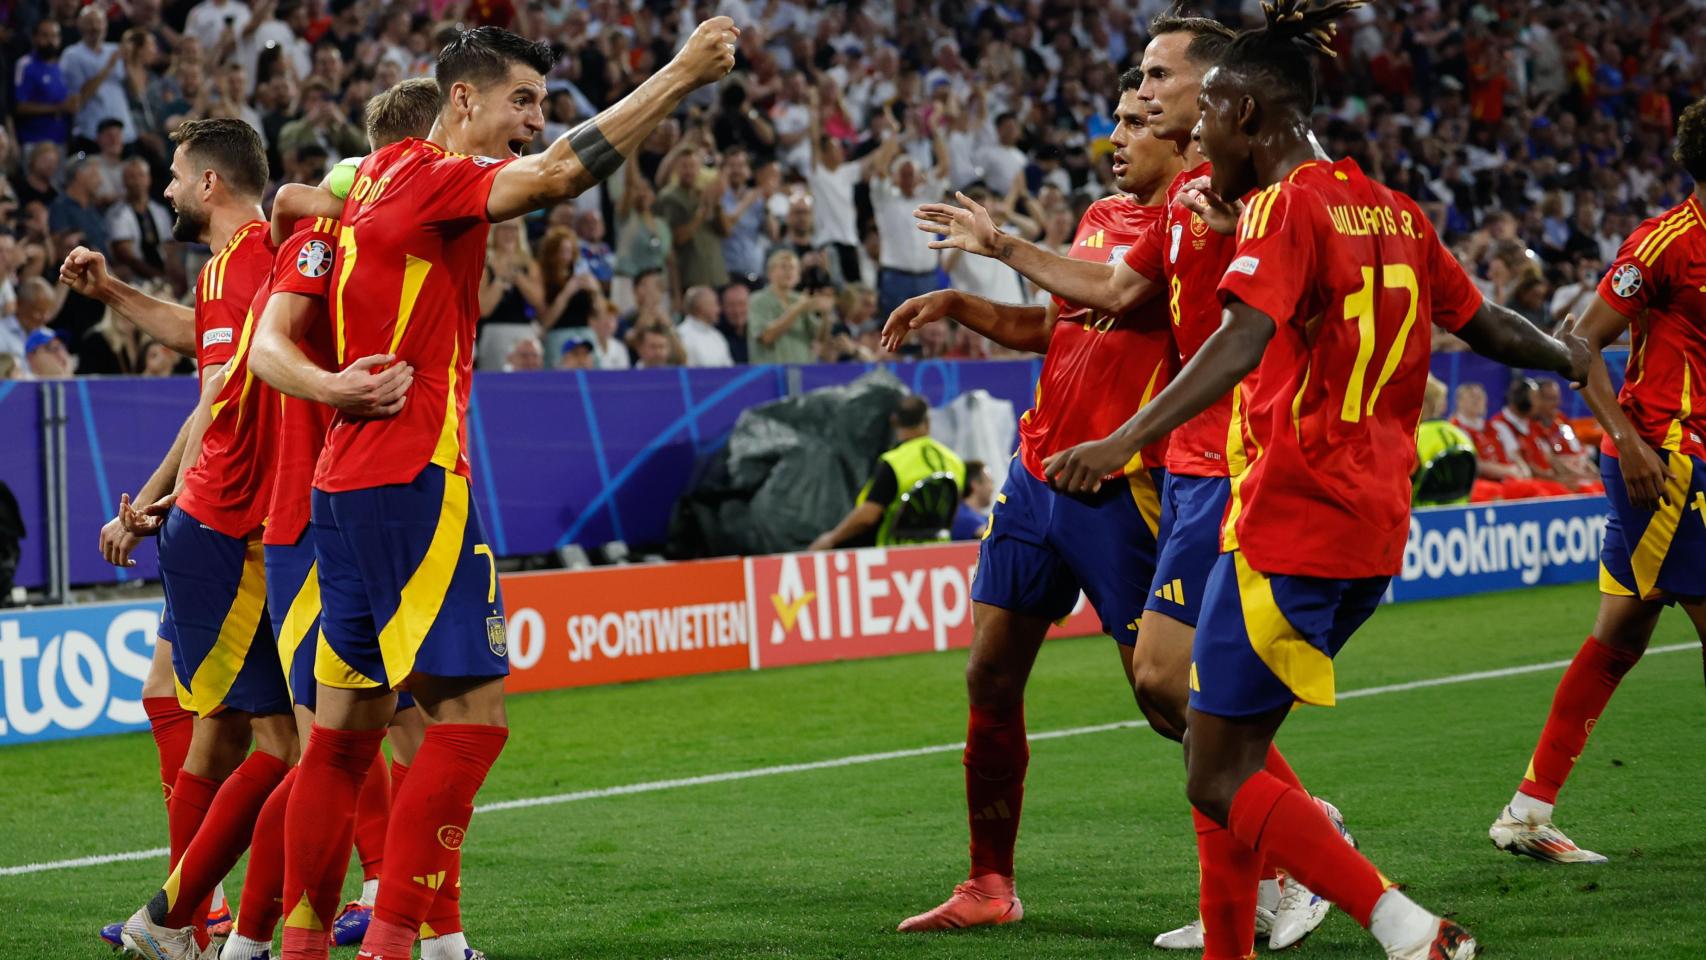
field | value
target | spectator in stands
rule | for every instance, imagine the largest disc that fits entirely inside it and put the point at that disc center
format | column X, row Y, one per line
column 690, row 206
column 570, row 292
column 1520, row 442
column 20, row 313
column 908, row 265
column 644, row 243
column 210, row 19
column 577, row 355
column 139, row 228
column 275, row 26
column 608, row 350
column 43, row 102
column 700, row 339
column 799, row 230
column 784, row 325
column 47, row 357
column 159, row 360
column 915, row 457
column 1574, row 298
column 322, row 124
column 832, row 180
column 746, row 227
column 92, row 73
column 114, row 346
column 973, row 516
column 512, row 290
column 77, row 207
column 651, row 304
column 731, row 319
column 108, row 161
column 524, row 355
column 1571, row 461
column 41, row 167
column 1529, row 298
column 654, row 347
column 595, row 253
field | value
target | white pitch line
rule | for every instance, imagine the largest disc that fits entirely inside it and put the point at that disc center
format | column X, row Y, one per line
column 654, row 786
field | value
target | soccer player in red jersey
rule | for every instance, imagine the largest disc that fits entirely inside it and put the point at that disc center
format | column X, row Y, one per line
column 214, row 596
column 294, row 350
column 1181, row 255
column 1042, row 548
column 1654, row 552
column 1333, row 286
column 408, row 588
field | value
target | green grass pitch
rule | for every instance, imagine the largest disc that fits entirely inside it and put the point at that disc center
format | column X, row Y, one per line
column 822, row 863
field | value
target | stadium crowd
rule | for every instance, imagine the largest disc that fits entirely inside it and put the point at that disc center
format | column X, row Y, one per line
column 770, row 220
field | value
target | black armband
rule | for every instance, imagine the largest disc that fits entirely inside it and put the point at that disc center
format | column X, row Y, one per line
column 594, row 152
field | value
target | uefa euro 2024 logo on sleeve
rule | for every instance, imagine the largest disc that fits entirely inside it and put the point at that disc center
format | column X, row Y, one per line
column 315, row 259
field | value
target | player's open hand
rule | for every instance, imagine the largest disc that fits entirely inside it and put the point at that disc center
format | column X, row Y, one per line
column 1081, row 469
column 84, row 271
column 364, row 390
column 147, row 521
column 709, row 54
column 915, row 314
column 117, row 542
column 967, row 227
column 1221, row 215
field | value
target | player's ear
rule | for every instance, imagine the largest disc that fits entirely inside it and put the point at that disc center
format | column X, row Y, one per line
column 1249, row 115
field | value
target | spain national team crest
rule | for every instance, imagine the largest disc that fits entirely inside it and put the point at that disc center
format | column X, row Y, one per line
column 1626, row 281
column 450, row 836
column 315, row 260
column 497, row 637
column 1199, row 230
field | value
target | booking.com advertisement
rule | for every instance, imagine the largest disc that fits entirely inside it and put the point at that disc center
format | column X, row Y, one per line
column 1480, row 548
column 77, row 671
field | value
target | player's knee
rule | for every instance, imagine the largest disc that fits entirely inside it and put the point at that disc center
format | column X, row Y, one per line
column 1160, row 697
column 1211, row 793
column 990, row 686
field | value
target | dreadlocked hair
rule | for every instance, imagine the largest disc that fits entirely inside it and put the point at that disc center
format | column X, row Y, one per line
column 1280, row 55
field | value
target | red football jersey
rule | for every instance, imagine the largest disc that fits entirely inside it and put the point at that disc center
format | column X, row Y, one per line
column 1181, row 250
column 225, row 286
column 1352, row 275
column 1100, row 370
column 228, row 486
column 1659, row 282
column 303, row 267
column 406, row 282
column 1487, row 445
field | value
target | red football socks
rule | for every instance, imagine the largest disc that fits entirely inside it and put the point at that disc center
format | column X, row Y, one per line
column 172, row 726
column 319, row 829
column 445, row 915
column 1582, row 695
column 185, row 811
column 428, row 825
column 1230, row 872
column 995, row 759
column 1288, row 827
column 372, row 812
column 263, row 884
column 1277, row 766
column 223, row 837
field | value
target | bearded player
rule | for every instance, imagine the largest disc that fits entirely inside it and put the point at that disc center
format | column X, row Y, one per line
column 1651, row 461
column 1331, row 291
column 1181, row 255
column 209, row 560
column 408, row 588
column 1042, row 548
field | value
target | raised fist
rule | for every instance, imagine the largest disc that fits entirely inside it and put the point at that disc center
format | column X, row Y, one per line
column 710, row 53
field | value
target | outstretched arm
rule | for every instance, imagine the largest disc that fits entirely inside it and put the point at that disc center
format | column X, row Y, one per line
column 593, row 151
column 1506, row 336
column 1225, row 358
column 173, row 324
column 1109, row 288
column 1015, row 326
